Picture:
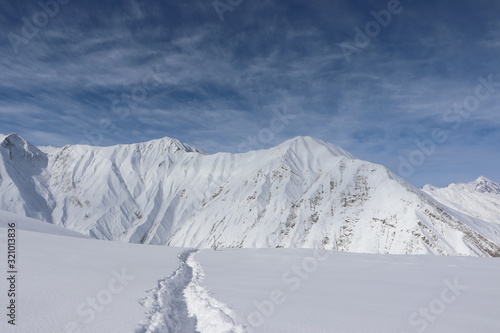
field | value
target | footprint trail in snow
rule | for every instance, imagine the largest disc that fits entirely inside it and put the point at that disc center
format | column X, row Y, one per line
column 180, row 304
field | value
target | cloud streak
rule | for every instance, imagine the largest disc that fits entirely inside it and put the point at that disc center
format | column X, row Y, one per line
column 219, row 83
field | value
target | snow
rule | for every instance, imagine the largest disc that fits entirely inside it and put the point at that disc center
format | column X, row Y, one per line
column 287, row 290
column 479, row 198
column 211, row 314
column 242, row 290
column 58, row 275
column 29, row 224
column 304, row 193
column 168, row 309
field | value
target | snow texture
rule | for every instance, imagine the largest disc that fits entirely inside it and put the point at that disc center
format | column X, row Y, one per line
column 180, row 304
column 268, row 290
column 304, row 193
column 480, row 198
column 168, row 309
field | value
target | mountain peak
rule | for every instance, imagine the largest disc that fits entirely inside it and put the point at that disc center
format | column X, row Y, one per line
column 482, row 179
column 11, row 137
column 165, row 144
column 314, row 145
column 484, row 185
column 18, row 147
column 172, row 145
column 14, row 139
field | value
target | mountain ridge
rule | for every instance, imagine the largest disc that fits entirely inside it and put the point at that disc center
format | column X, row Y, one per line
column 479, row 198
column 301, row 193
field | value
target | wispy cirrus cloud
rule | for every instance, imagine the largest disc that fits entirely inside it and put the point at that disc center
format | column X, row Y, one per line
column 216, row 84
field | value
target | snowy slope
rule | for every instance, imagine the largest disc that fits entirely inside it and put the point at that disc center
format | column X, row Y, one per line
column 480, row 198
column 60, row 279
column 70, row 285
column 303, row 193
column 296, row 291
column 29, row 224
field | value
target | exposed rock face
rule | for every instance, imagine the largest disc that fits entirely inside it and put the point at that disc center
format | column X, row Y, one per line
column 302, row 193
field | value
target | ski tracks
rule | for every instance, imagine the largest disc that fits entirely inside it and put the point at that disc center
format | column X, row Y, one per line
column 180, row 304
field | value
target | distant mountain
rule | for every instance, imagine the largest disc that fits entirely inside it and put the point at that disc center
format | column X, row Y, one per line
column 302, row 193
column 480, row 198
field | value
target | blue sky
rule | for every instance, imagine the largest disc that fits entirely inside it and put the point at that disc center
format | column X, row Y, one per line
column 127, row 71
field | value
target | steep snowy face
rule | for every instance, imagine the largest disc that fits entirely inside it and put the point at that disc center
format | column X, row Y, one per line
column 18, row 148
column 480, row 198
column 23, row 188
column 484, row 185
column 302, row 193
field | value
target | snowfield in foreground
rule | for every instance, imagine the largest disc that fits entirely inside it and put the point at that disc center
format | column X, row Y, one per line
column 66, row 283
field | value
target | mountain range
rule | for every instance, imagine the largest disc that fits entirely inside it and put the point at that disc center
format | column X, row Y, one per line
column 303, row 193
column 480, row 198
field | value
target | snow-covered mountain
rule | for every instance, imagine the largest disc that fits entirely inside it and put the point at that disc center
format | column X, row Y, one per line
column 480, row 198
column 302, row 193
